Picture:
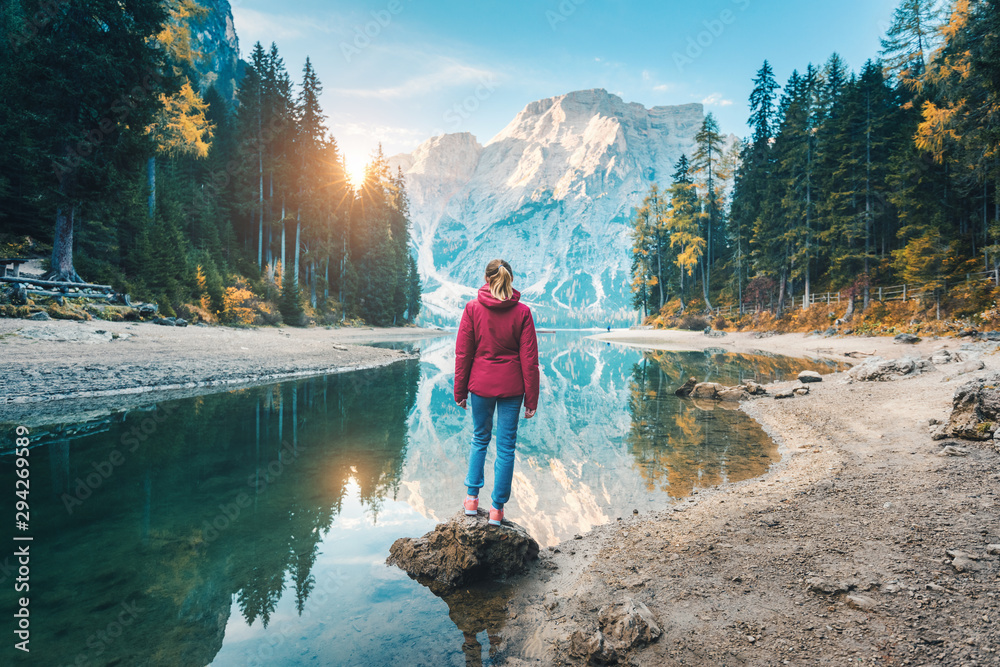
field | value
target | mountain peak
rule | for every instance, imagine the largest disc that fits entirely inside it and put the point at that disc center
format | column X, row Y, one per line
column 552, row 192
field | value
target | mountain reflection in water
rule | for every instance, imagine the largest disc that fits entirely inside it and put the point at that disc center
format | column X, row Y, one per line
column 251, row 527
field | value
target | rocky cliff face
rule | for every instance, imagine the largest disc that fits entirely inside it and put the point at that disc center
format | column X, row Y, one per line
column 214, row 36
column 552, row 193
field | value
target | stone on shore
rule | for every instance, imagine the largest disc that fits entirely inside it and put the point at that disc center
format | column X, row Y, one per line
column 969, row 367
column 737, row 393
column 623, row 626
column 810, row 376
column 464, row 549
column 877, row 369
column 907, row 338
column 706, row 390
column 628, row 624
column 975, row 409
column 718, row 392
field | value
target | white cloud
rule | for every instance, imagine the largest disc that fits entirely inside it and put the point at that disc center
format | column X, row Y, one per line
column 716, row 100
column 256, row 26
column 449, row 75
column 662, row 87
column 379, row 132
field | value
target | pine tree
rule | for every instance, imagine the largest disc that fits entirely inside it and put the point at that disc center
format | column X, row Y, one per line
column 909, row 41
column 683, row 222
column 756, row 164
column 643, row 241
column 310, row 147
column 412, row 291
column 762, row 112
column 797, row 157
column 180, row 127
column 70, row 129
column 707, row 157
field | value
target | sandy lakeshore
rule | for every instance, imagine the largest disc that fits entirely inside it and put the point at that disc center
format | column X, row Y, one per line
column 60, row 369
column 838, row 555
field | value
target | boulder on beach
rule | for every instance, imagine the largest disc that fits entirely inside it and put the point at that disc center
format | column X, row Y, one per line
column 622, row 626
column 463, row 550
column 706, row 390
column 969, row 367
column 975, row 410
column 877, row 369
column 907, row 338
column 718, row 392
column 737, row 393
column 810, row 376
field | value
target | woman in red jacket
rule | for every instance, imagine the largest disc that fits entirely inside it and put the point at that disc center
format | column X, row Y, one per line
column 496, row 369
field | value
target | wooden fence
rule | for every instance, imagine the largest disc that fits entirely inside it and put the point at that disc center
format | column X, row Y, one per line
column 875, row 293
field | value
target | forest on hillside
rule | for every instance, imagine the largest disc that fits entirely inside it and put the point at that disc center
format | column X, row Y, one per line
column 129, row 169
column 848, row 181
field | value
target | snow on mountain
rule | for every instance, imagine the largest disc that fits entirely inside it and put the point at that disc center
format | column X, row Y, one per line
column 552, row 193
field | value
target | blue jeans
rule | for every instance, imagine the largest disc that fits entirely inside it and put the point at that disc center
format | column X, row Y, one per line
column 482, row 422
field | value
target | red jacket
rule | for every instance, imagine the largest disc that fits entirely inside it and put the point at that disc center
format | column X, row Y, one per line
column 496, row 353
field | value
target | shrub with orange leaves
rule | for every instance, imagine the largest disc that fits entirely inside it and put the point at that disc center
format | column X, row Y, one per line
column 242, row 307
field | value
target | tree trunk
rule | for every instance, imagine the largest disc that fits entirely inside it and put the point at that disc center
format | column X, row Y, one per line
column 681, row 295
column 62, row 247
column 659, row 267
column 704, row 285
column 151, row 182
column 782, row 289
column 298, row 236
column 805, row 294
column 850, row 308
column 312, row 283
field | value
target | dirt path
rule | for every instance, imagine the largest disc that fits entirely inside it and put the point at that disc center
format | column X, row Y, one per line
column 65, row 370
column 862, row 506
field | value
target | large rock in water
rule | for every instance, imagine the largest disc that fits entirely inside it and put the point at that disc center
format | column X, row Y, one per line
column 975, row 410
column 464, row 549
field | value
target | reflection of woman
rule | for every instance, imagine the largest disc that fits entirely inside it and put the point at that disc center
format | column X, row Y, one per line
column 496, row 368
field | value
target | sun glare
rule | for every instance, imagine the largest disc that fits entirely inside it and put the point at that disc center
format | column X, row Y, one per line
column 356, row 174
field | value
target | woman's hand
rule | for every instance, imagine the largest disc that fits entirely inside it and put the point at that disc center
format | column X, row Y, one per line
column 528, row 414
column 462, row 405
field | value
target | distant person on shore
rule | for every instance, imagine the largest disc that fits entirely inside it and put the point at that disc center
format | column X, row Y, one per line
column 496, row 370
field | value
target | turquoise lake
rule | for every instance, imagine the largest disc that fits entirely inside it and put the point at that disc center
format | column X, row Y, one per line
column 251, row 527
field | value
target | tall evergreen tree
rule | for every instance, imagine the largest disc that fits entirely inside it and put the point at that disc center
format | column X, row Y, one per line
column 83, row 125
column 683, row 223
column 707, row 156
column 910, row 39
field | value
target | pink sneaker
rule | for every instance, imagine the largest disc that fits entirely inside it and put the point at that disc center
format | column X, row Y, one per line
column 471, row 506
column 496, row 517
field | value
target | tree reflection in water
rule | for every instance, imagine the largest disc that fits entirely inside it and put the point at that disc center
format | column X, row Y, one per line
column 680, row 445
column 230, row 496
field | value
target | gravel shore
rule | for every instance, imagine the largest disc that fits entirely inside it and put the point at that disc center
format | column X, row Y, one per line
column 65, row 370
column 846, row 552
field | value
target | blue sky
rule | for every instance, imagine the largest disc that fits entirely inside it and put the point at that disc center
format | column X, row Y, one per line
column 400, row 71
